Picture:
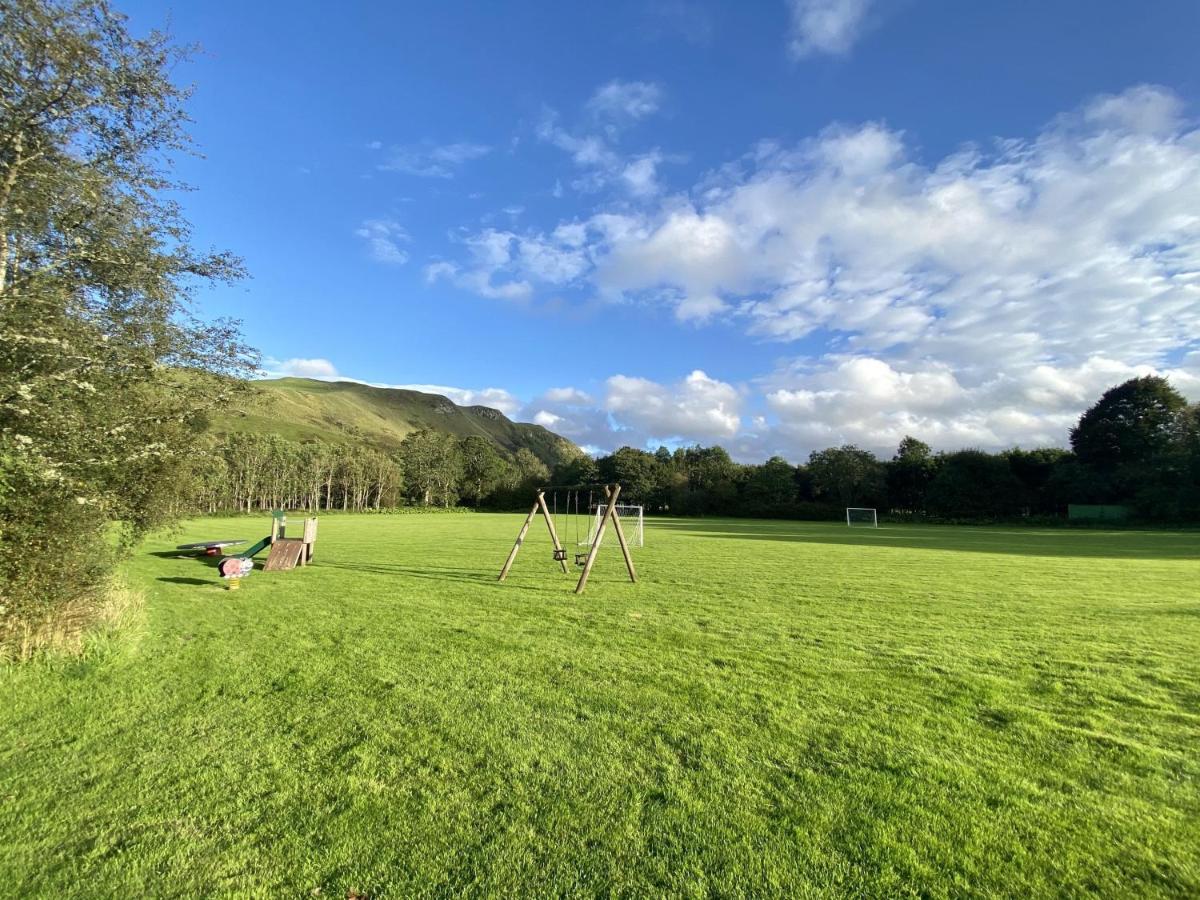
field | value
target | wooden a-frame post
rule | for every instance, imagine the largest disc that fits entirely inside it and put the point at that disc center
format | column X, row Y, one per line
column 610, row 512
column 538, row 504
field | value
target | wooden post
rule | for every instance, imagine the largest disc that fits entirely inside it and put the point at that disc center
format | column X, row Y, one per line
column 553, row 533
column 611, row 498
column 310, row 540
column 616, row 518
column 521, row 537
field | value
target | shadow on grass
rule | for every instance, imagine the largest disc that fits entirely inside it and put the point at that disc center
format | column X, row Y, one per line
column 474, row 576
column 190, row 581
column 964, row 538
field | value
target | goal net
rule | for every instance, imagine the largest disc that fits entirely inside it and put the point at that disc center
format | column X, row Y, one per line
column 631, row 524
column 862, row 516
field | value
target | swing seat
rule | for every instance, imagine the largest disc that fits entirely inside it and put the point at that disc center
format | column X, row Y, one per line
column 581, row 559
column 560, row 555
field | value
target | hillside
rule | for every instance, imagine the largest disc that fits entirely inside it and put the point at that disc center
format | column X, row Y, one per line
column 301, row 409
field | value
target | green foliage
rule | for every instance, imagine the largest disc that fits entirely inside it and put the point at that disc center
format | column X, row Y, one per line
column 847, row 476
column 971, row 484
column 1131, row 424
column 1034, row 470
column 105, row 377
column 433, row 467
column 909, row 474
column 770, row 489
column 637, row 471
column 483, row 469
column 775, row 709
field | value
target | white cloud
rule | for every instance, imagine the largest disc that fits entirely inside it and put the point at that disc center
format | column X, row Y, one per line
column 593, row 147
column 640, row 175
column 384, row 237
column 696, row 408
column 866, row 401
column 430, row 160
column 625, row 101
column 299, row 368
column 825, row 26
column 987, row 297
column 638, row 412
column 504, row 265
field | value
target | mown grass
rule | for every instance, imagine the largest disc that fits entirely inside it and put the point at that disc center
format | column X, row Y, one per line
column 775, row 709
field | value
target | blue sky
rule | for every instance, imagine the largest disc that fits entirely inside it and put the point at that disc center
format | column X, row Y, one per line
column 778, row 225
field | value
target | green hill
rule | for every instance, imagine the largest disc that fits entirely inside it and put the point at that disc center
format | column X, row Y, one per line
column 301, row 409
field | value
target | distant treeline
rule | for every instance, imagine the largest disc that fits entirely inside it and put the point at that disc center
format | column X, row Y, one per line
column 1138, row 446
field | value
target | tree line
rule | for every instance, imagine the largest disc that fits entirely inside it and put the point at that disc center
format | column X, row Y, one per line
column 245, row 472
column 1138, row 446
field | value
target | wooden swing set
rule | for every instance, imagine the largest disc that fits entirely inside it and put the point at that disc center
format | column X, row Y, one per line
column 588, row 559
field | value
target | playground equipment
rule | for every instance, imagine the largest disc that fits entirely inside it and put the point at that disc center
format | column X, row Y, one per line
column 286, row 553
column 609, row 515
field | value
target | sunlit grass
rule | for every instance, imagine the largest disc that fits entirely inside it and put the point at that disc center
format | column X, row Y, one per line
column 776, row 708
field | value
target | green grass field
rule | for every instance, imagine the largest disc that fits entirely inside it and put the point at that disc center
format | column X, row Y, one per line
column 781, row 709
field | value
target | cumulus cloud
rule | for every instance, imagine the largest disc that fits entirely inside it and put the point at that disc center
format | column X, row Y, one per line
column 828, row 27
column 299, row 368
column 867, row 401
column 1082, row 240
column 638, row 412
column 383, row 238
column 1010, row 284
column 430, row 160
column 698, row 408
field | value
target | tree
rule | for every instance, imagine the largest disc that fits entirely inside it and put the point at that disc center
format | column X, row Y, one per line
column 1034, row 469
column 1130, row 424
column 846, row 476
column 635, row 470
column 432, row 466
column 770, row 489
column 105, row 376
column 712, row 481
column 530, row 470
column 909, row 474
column 482, row 468
column 972, row 484
column 580, row 469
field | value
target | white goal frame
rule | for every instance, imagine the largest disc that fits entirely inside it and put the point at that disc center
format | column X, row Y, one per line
column 874, row 523
column 632, row 524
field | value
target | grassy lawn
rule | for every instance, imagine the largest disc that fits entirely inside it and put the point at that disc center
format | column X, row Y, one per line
column 775, row 709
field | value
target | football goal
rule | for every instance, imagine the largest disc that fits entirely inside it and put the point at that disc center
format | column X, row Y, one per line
column 631, row 521
column 861, row 516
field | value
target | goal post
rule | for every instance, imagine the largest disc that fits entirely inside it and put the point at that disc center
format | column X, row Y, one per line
column 632, row 523
column 861, row 516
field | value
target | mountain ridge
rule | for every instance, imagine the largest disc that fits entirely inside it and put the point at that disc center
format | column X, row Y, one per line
column 305, row 409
